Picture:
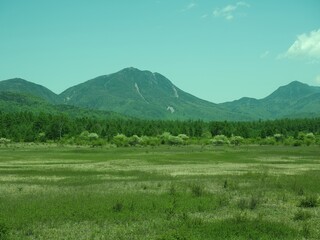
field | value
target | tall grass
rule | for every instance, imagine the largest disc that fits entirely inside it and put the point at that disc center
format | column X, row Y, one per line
column 159, row 193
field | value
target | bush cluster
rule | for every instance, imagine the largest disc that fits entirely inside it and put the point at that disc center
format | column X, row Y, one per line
column 121, row 140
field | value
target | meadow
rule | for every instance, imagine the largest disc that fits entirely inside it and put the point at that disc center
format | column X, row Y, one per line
column 163, row 192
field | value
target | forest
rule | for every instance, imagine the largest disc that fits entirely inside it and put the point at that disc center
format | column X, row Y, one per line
column 44, row 127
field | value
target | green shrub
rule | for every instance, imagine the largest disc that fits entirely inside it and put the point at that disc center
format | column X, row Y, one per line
column 278, row 137
column 297, row 143
column 87, row 138
column 93, row 136
column 220, row 140
column 301, row 136
column 184, row 137
column 236, row 140
column 164, row 137
column 268, row 141
column 149, row 141
column 84, row 135
column 173, row 140
column 98, row 143
column 309, row 139
column 41, row 137
column 167, row 138
column 134, row 140
column 4, row 141
column 289, row 141
column 121, row 140
column 206, row 134
column 145, row 140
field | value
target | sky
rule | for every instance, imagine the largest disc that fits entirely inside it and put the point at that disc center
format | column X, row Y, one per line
column 217, row 50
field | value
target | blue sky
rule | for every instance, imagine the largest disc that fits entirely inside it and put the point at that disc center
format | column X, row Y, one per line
column 217, row 50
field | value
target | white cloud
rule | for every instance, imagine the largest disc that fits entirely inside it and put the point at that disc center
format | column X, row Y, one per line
column 307, row 45
column 228, row 12
column 244, row 4
column 204, row 16
column 317, row 79
column 189, row 7
column 265, row 54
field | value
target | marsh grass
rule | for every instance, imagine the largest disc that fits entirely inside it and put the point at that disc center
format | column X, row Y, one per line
column 3, row 231
column 159, row 193
column 172, row 190
column 197, row 190
column 301, row 215
column 118, row 206
column 310, row 201
column 251, row 203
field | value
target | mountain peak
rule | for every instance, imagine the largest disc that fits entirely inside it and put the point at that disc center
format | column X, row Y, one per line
column 296, row 84
column 141, row 93
column 292, row 92
column 16, row 80
column 19, row 85
column 132, row 70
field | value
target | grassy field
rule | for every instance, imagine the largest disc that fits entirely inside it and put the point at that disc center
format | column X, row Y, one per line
column 190, row 192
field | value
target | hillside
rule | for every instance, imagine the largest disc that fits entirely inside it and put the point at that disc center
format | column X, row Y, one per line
column 293, row 100
column 143, row 94
column 148, row 95
column 19, row 85
column 18, row 102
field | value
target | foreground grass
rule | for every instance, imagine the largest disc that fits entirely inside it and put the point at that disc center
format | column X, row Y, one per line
column 159, row 193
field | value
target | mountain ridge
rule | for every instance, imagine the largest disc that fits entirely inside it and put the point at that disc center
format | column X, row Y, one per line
column 20, row 85
column 146, row 94
column 23, row 102
column 140, row 93
column 286, row 101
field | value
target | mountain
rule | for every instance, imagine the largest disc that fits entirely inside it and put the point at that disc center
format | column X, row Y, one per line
column 19, row 85
column 18, row 102
column 293, row 100
column 143, row 94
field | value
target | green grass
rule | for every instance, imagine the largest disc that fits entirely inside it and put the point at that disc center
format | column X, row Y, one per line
column 190, row 192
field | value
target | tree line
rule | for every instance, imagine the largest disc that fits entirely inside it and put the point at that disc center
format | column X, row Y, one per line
column 32, row 127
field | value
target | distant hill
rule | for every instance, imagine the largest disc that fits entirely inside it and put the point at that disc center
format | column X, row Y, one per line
column 18, row 102
column 19, row 85
column 293, row 100
column 143, row 94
